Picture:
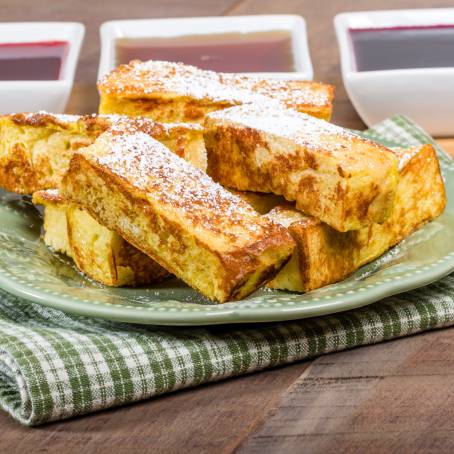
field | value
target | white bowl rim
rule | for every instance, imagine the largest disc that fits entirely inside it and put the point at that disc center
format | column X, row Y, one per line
column 304, row 65
column 424, row 16
column 75, row 43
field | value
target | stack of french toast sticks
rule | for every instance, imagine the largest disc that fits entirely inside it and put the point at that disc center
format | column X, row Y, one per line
column 227, row 182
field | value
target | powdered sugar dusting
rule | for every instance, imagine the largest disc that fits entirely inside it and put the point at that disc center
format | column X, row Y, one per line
column 186, row 126
column 404, row 155
column 48, row 195
column 166, row 78
column 95, row 124
column 290, row 92
column 120, row 123
column 176, row 79
column 151, row 167
column 302, row 129
column 53, row 192
column 60, row 117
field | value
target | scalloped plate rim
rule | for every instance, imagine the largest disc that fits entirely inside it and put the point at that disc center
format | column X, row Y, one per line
column 286, row 305
column 135, row 315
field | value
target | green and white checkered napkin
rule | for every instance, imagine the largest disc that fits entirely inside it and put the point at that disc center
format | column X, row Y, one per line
column 54, row 365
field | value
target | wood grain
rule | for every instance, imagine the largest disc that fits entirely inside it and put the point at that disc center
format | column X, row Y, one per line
column 447, row 145
column 210, row 419
column 393, row 397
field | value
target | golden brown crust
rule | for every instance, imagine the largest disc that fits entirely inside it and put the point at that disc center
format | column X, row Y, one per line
column 16, row 172
column 332, row 174
column 105, row 256
column 262, row 203
column 48, row 196
column 177, row 215
column 97, row 252
column 313, row 98
column 168, row 91
column 55, row 231
column 324, row 255
column 35, row 149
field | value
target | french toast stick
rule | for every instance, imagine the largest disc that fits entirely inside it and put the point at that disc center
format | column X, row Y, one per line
column 35, row 148
column 174, row 92
column 332, row 174
column 324, row 255
column 98, row 252
column 175, row 213
column 262, row 203
column 55, row 231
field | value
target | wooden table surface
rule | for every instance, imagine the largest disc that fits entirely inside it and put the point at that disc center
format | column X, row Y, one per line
column 391, row 397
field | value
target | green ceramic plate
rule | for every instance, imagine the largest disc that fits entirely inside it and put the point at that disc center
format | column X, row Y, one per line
column 28, row 269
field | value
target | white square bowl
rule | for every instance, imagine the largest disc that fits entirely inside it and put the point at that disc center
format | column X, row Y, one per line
column 426, row 95
column 148, row 28
column 34, row 95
